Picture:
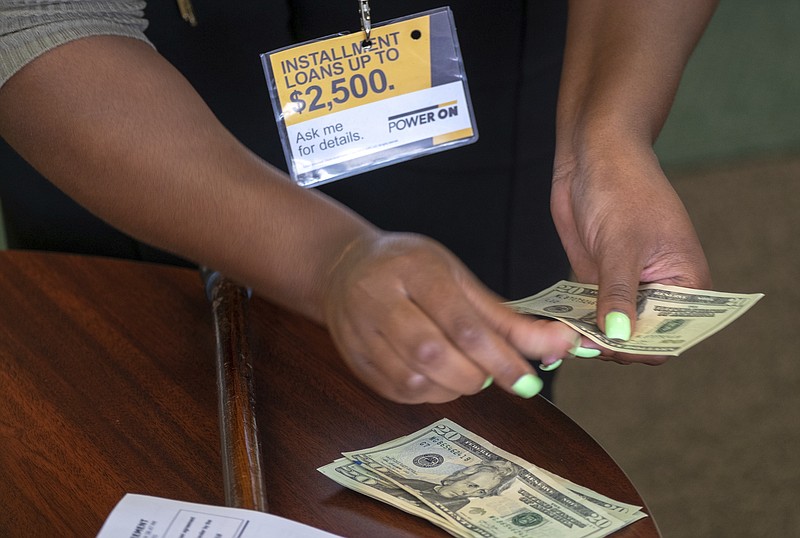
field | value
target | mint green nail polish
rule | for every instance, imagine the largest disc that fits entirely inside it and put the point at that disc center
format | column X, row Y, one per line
column 489, row 381
column 550, row 367
column 618, row 326
column 527, row 386
column 587, row 352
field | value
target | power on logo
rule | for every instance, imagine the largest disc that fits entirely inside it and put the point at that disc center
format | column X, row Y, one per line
column 421, row 116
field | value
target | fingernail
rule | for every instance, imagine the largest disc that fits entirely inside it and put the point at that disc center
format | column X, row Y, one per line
column 550, row 367
column 527, row 386
column 489, row 381
column 587, row 352
column 618, row 326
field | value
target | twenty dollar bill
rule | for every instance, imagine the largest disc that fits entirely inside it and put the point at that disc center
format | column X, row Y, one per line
column 670, row 319
column 469, row 487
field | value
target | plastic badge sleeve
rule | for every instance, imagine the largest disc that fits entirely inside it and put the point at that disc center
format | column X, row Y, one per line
column 343, row 108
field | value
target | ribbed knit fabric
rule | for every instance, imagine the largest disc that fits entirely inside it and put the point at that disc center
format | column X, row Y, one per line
column 29, row 28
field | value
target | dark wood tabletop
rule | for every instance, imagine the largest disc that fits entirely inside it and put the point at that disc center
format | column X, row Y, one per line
column 108, row 387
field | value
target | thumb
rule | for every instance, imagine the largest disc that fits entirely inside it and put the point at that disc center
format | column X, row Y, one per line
column 616, row 300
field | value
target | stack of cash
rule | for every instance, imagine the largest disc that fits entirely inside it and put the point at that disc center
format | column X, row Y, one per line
column 469, row 487
column 669, row 319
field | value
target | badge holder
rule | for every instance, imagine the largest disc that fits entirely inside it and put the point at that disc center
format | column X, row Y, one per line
column 350, row 103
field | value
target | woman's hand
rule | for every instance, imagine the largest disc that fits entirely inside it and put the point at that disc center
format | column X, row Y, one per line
column 622, row 223
column 416, row 326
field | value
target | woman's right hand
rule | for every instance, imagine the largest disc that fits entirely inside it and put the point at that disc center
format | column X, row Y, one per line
column 416, row 326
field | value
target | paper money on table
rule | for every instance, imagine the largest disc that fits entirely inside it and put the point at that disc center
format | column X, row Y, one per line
column 624, row 511
column 469, row 487
column 670, row 319
column 360, row 479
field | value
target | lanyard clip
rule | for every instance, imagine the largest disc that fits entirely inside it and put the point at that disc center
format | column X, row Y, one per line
column 366, row 23
column 187, row 12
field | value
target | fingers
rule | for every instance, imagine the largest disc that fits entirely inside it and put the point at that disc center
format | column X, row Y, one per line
column 617, row 292
column 616, row 314
column 532, row 337
column 379, row 367
column 439, row 334
column 408, row 359
column 366, row 351
column 439, row 346
column 548, row 340
column 492, row 336
column 429, row 336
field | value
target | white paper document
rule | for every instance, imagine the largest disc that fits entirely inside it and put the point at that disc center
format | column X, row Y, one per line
column 142, row 516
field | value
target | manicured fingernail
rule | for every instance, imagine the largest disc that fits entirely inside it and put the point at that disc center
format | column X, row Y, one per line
column 527, row 386
column 550, row 367
column 618, row 326
column 489, row 381
column 587, row 352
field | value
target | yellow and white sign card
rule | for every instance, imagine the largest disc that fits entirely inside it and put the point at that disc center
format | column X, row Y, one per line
column 345, row 106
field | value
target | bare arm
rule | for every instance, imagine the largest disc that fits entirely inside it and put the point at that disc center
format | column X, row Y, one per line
column 623, row 63
column 618, row 217
column 116, row 127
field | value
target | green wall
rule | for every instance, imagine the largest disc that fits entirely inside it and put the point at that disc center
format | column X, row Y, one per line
column 740, row 94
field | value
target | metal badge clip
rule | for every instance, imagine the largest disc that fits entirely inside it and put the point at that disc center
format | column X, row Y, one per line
column 366, row 23
column 187, row 12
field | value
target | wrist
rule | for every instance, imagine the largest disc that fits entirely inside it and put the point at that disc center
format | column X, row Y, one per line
column 601, row 132
column 605, row 144
column 341, row 260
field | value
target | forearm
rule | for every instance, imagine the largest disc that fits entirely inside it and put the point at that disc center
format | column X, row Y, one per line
column 622, row 66
column 619, row 219
column 117, row 128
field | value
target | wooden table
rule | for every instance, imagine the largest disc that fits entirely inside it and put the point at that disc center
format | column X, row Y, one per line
column 108, row 386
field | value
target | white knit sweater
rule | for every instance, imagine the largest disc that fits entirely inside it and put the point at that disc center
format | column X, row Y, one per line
column 29, row 28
